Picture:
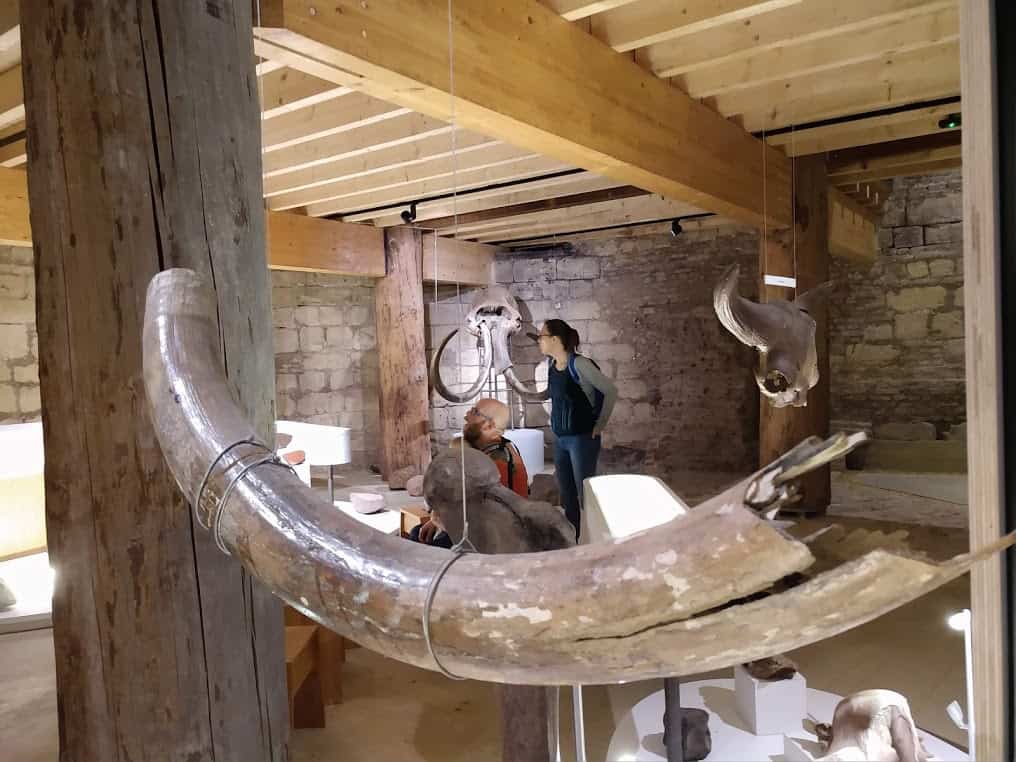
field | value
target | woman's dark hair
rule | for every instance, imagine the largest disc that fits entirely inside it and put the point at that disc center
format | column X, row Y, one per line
column 568, row 335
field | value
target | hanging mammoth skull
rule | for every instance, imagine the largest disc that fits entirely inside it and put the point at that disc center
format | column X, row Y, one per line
column 783, row 332
column 493, row 318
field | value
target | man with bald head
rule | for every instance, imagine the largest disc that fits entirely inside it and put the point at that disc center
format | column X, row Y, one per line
column 483, row 430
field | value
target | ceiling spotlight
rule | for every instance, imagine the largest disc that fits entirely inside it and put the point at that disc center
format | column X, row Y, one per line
column 950, row 122
column 675, row 228
column 408, row 215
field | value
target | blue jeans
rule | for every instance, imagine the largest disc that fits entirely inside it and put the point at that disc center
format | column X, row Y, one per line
column 575, row 461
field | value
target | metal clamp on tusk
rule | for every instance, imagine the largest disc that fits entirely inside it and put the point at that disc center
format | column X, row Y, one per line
column 209, row 513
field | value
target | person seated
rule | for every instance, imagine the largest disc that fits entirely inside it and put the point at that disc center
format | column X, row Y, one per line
column 483, row 430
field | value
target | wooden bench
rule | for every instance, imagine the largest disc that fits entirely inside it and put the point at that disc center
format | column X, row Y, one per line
column 303, row 678
column 314, row 658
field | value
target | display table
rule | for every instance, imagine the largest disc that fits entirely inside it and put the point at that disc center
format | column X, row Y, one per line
column 385, row 521
column 639, row 734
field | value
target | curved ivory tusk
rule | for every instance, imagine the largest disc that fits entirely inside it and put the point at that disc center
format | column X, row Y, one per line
column 624, row 610
column 750, row 323
column 486, row 357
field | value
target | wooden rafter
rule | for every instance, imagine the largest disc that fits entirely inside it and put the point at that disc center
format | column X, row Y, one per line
column 452, row 223
column 489, row 198
column 573, row 10
column 449, row 184
column 335, row 116
column 931, row 153
column 286, row 90
column 882, row 128
column 820, row 57
column 637, row 25
column 794, row 25
column 507, row 91
column 466, row 163
column 939, row 61
column 708, row 222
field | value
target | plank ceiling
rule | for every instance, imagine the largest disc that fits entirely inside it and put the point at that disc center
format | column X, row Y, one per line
column 811, row 75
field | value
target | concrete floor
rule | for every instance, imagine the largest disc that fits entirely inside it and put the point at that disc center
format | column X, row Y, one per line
column 396, row 712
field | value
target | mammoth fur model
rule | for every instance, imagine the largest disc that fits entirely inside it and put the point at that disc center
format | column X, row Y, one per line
column 493, row 318
column 872, row 726
column 783, row 332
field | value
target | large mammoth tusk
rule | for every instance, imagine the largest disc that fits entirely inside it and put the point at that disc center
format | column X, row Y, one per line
column 486, row 358
column 752, row 324
column 640, row 607
column 503, row 365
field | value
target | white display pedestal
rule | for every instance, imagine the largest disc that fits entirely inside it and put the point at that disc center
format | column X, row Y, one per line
column 639, row 734
column 773, row 706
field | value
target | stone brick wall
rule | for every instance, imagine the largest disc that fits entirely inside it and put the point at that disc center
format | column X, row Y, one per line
column 643, row 308
column 19, row 353
column 326, row 361
column 896, row 330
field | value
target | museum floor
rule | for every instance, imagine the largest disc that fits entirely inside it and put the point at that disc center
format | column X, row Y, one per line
column 393, row 712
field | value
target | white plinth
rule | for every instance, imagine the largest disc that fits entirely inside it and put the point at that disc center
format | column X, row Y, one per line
column 530, row 445
column 770, row 706
column 639, row 734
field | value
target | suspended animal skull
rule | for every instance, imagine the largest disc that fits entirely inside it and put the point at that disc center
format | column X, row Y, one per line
column 493, row 318
column 783, row 332
column 872, row 725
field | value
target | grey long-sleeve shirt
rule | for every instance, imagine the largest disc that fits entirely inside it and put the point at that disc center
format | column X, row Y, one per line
column 591, row 378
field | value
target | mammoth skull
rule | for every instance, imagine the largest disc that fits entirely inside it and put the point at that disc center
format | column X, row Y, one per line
column 493, row 318
column 783, row 332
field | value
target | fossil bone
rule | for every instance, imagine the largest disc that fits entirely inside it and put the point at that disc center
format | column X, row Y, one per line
column 640, row 607
column 873, row 726
column 783, row 332
column 493, row 318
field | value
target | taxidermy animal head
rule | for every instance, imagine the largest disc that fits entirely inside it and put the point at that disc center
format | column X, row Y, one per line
column 783, row 332
column 872, row 725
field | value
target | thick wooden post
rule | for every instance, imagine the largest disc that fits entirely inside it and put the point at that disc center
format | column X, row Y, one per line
column 804, row 253
column 144, row 154
column 404, row 396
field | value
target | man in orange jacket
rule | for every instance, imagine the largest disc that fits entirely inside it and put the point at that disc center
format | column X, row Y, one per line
column 484, row 427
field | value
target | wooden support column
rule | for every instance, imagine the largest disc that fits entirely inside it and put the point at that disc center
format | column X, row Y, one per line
column 782, row 428
column 404, row 395
column 145, row 155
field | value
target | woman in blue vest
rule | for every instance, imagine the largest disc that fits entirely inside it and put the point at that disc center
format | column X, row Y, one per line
column 581, row 399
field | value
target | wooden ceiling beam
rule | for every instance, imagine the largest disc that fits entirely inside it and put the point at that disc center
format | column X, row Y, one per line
column 330, row 118
column 881, row 128
column 504, row 88
column 297, row 242
column 447, row 260
column 852, row 230
column 461, row 221
column 287, row 90
column 626, row 231
column 915, row 65
column 517, row 169
column 647, row 22
column 931, row 153
column 825, row 55
column 462, row 163
column 399, row 130
column 623, row 212
column 783, row 28
column 573, row 10
column 859, row 98
column 465, row 202
column 377, row 159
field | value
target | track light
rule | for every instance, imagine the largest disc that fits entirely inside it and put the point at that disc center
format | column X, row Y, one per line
column 408, row 215
column 950, row 122
column 675, row 228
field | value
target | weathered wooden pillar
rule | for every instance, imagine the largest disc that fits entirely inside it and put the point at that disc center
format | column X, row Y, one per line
column 803, row 255
column 404, row 395
column 144, row 154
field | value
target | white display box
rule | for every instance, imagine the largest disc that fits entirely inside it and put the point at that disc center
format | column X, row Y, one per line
column 771, row 707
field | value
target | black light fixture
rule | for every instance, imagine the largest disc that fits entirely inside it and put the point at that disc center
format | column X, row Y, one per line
column 675, row 228
column 408, row 215
column 950, row 122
